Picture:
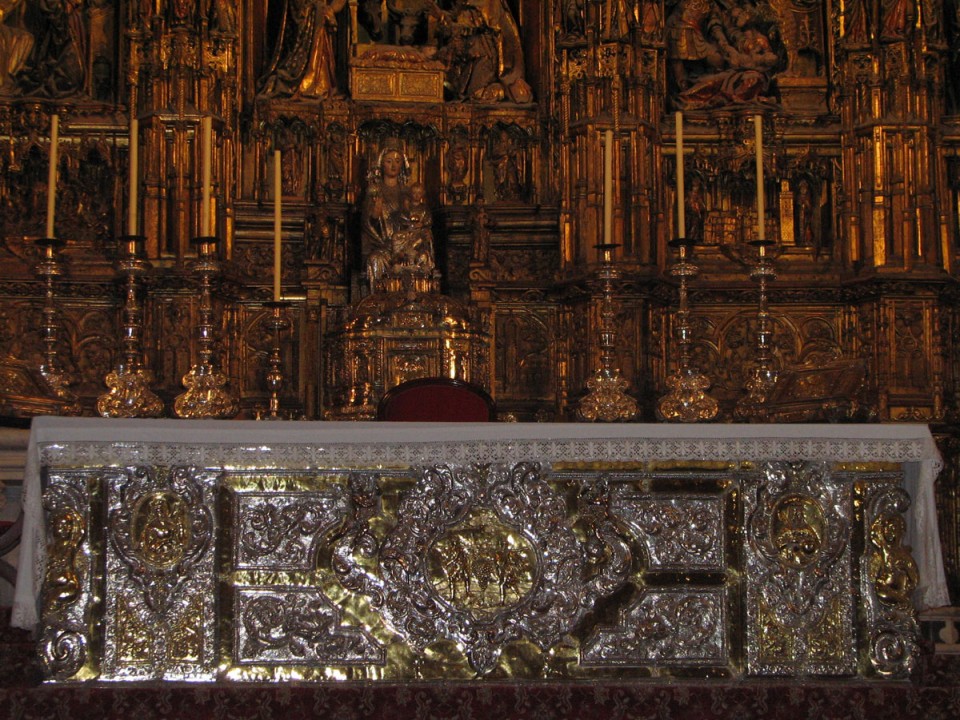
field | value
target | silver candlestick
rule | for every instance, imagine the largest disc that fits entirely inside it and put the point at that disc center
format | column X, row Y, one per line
column 687, row 400
column 129, row 382
column 206, row 395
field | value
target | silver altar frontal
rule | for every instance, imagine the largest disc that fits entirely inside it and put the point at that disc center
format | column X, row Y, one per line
column 224, row 550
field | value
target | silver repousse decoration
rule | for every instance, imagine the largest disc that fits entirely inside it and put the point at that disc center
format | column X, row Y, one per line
column 679, row 532
column 667, row 627
column 298, row 626
column 67, row 591
column 798, row 569
column 888, row 577
column 161, row 574
column 283, row 531
column 528, row 521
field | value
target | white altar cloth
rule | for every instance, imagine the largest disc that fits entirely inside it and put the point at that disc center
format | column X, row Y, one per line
column 229, row 444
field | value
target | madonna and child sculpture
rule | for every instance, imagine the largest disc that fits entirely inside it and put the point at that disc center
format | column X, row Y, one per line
column 396, row 232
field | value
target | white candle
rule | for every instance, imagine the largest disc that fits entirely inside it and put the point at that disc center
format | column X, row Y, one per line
column 607, row 187
column 206, row 125
column 681, row 201
column 52, row 174
column 761, row 210
column 277, row 224
column 134, row 175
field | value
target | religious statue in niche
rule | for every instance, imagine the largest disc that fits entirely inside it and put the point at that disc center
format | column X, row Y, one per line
column 695, row 209
column 16, row 42
column 396, row 224
column 457, row 167
column 304, row 62
column 806, row 229
column 572, row 20
column 800, row 23
column 503, row 155
column 480, row 44
column 57, row 63
column 719, row 57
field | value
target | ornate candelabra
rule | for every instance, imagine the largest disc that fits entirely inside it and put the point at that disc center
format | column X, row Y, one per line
column 277, row 322
column 687, row 399
column 606, row 399
column 49, row 269
column 130, row 395
column 206, row 395
column 764, row 375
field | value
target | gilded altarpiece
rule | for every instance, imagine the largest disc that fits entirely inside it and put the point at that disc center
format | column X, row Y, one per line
column 503, row 144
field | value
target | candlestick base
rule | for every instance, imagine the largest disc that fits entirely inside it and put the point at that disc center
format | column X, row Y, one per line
column 752, row 406
column 205, row 396
column 607, row 400
column 129, row 396
column 687, row 399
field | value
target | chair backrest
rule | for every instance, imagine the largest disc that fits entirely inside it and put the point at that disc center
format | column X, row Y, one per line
column 437, row 399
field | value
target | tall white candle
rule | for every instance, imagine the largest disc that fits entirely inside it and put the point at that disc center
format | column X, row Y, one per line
column 681, row 191
column 134, row 182
column 277, row 224
column 761, row 210
column 608, row 187
column 206, row 126
column 52, row 174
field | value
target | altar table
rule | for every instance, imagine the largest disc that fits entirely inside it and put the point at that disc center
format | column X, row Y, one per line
column 229, row 550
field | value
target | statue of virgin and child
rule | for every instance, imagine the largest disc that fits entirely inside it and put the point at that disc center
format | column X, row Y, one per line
column 396, row 224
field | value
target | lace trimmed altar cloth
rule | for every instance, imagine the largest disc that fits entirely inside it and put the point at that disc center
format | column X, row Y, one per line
column 96, row 442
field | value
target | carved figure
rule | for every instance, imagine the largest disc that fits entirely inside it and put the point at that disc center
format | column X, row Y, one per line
column 16, row 42
column 304, row 63
column 897, row 17
column 893, row 569
column 457, row 165
column 62, row 580
column 696, row 209
column 804, row 203
column 395, row 221
column 223, row 17
column 56, row 66
column 506, row 173
column 718, row 59
column 480, row 227
column 483, row 53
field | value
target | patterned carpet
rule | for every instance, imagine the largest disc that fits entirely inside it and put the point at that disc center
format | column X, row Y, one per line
column 933, row 694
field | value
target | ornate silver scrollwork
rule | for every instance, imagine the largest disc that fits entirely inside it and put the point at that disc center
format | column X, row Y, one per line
column 679, row 532
column 298, row 626
column 888, row 577
column 282, row 531
column 511, row 514
column 667, row 627
column 161, row 576
column 798, row 571
column 161, row 528
column 66, row 589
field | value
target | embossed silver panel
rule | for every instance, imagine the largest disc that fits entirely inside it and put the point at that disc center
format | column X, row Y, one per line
column 160, row 600
column 563, row 581
column 800, row 611
column 283, row 531
column 287, row 625
column 68, row 589
column 679, row 531
column 682, row 626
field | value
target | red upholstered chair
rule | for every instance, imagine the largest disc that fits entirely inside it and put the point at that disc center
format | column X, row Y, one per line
column 437, row 400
